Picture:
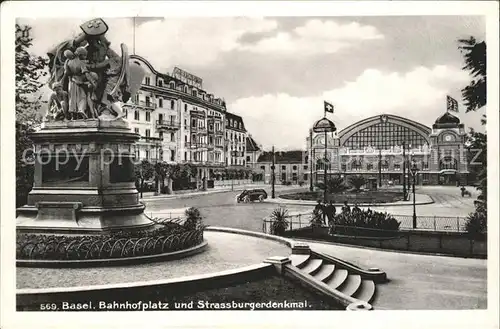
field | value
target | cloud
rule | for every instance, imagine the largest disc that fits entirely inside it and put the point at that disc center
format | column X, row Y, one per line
column 419, row 94
column 314, row 37
column 191, row 42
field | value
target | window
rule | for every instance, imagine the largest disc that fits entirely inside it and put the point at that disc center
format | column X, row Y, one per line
column 136, row 115
column 185, row 107
column 263, row 168
column 425, row 165
column 185, row 156
column 160, row 83
column 356, row 165
column 283, row 176
column 385, row 135
column 172, row 155
column 397, row 166
column 172, row 85
column 148, row 133
column 126, row 113
column 185, row 122
column 195, row 92
column 160, row 102
column 186, row 89
column 136, row 130
column 369, row 166
column 172, row 137
column 306, row 167
column 248, row 158
column 172, row 104
column 448, row 162
column 306, row 159
column 305, row 176
column 294, row 167
column 185, row 138
column 147, row 154
column 147, row 81
column 148, row 116
column 148, row 101
column 283, row 167
column 160, row 117
column 160, row 134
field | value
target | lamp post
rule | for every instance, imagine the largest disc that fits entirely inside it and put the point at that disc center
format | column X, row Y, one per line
column 273, row 167
column 311, row 160
column 414, row 171
column 404, row 170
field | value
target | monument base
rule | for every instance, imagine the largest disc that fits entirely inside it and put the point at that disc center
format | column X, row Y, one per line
column 71, row 218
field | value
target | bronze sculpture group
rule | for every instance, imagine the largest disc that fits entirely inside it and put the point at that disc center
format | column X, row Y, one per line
column 88, row 79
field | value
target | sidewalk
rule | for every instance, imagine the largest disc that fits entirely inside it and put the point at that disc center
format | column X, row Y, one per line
column 148, row 196
column 420, row 199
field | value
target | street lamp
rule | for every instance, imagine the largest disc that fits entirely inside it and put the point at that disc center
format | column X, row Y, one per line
column 414, row 171
column 324, row 126
column 273, row 159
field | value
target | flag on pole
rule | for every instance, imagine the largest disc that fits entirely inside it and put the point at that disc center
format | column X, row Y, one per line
column 328, row 107
column 451, row 104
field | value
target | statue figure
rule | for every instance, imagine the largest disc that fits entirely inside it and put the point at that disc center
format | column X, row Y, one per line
column 75, row 70
column 97, row 78
column 58, row 104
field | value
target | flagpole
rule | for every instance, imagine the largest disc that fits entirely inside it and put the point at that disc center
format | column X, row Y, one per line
column 134, row 38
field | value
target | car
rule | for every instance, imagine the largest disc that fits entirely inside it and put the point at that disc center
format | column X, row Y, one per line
column 251, row 195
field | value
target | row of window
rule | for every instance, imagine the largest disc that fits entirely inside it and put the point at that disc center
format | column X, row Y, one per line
column 282, row 167
column 194, row 92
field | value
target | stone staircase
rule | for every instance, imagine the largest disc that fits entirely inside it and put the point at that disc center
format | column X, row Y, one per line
column 340, row 276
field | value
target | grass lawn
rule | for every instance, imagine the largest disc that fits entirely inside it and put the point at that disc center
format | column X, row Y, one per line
column 350, row 197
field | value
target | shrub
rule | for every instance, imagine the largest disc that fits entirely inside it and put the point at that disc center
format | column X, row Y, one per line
column 364, row 219
column 476, row 223
column 279, row 222
column 194, row 220
column 357, row 182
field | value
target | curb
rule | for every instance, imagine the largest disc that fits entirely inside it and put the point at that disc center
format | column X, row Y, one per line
column 186, row 195
column 283, row 201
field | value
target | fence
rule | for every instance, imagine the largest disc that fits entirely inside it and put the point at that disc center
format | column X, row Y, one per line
column 178, row 217
column 424, row 223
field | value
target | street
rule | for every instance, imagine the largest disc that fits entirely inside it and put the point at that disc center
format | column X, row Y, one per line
column 221, row 209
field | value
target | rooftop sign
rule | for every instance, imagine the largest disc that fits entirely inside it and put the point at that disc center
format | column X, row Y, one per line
column 187, row 78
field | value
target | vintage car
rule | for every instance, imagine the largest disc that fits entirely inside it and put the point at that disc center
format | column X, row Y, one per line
column 251, row 195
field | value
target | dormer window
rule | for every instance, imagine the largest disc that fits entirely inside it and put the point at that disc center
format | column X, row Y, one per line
column 147, row 81
column 160, row 83
column 172, row 84
column 195, row 93
column 186, row 89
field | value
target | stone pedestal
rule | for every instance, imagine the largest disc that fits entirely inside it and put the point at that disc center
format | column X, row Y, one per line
column 84, row 179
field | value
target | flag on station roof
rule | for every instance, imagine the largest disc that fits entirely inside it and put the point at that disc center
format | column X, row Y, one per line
column 451, row 104
column 328, row 107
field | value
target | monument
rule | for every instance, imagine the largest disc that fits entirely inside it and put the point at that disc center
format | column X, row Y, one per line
column 84, row 152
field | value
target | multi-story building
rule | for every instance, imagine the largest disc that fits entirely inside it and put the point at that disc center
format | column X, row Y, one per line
column 290, row 166
column 236, row 139
column 179, row 122
column 253, row 151
column 382, row 146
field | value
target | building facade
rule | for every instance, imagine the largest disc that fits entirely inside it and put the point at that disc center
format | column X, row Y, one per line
column 382, row 147
column 253, row 151
column 290, row 166
column 179, row 122
column 236, row 136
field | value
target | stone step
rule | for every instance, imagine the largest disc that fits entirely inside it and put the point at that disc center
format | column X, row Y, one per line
column 312, row 266
column 325, row 272
column 351, row 284
column 338, row 277
column 299, row 260
column 366, row 292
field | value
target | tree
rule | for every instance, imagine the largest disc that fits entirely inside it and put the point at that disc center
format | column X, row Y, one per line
column 474, row 53
column 29, row 72
column 335, row 184
column 357, row 182
column 474, row 97
column 144, row 171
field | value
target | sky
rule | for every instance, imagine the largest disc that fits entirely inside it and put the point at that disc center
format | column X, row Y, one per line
column 276, row 71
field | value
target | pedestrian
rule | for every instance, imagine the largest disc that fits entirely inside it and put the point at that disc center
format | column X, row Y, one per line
column 330, row 213
column 356, row 209
column 319, row 212
column 346, row 208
